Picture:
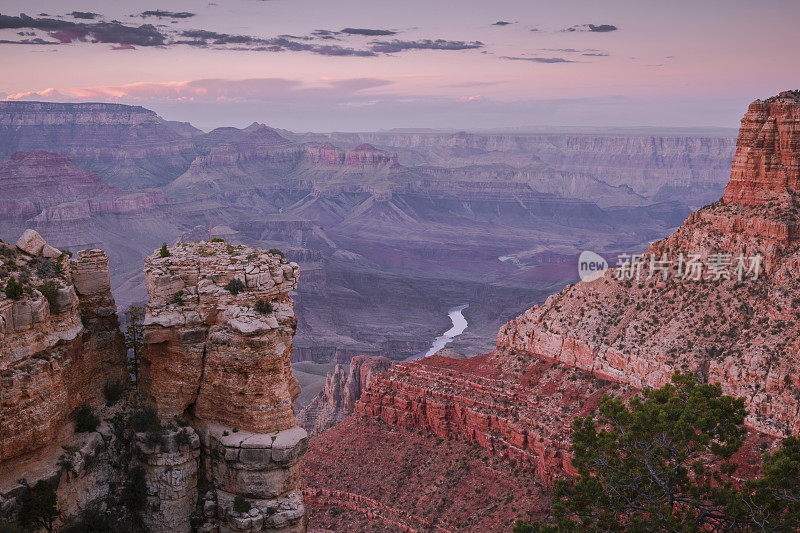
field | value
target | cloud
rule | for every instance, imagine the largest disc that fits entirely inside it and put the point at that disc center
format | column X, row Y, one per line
column 366, row 31
column 209, row 90
column 158, row 13
column 124, row 47
column 590, row 52
column 115, row 32
column 100, row 32
column 598, row 28
column 502, row 23
column 388, row 47
column 37, row 40
column 205, row 38
column 86, row 15
column 325, row 34
column 539, row 59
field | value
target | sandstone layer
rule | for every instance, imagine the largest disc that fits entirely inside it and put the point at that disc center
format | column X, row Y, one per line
column 221, row 357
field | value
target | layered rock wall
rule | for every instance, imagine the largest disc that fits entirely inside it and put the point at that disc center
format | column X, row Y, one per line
column 767, row 161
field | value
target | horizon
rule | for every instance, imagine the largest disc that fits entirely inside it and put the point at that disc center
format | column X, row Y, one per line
column 310, row 66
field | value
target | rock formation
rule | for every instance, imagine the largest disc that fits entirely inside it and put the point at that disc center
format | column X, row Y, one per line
column 221, row 357
column 171, row 471
column 767, row 161
column 60, row 345
column 130, row 145
column 59, row 341
column 338, row 397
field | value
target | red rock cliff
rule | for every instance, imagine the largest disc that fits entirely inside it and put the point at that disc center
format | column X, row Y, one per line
column 767, row 161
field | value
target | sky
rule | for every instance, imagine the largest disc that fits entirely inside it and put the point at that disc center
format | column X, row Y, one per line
column 319, row 65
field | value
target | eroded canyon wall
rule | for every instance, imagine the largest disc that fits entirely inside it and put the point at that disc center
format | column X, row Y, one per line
column 732, row 323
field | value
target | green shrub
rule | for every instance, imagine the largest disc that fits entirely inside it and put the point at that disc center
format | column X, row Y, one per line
column 86, row 420
column 39, row 507
column 264, row 307
column 112, row 391
column 164, row 250
column 91, row 520
column 276, row 251
column 49, row 290
column 155, row 436
column 217, row 239
column 14, row 289
column 45, row 269
column 235, row 286
column 177, row 298
column 182, row 438
column 134, row 494
column 7, row 527
column 145, row 419
column 241, row 505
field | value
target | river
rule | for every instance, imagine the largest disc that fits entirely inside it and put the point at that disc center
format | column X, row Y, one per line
column 459, row 325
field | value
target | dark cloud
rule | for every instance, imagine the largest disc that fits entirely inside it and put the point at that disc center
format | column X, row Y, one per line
column 599, row 28
column 207, row 38
column 539, row 59
column 98, row 32
column 388, row 47
column 367, row 31
column 166, row 14
column 502, row 23
column 596, row 54
column 568, row 50
column 535, row 29
column 27, row 41
column 86, row 15
column 128, row 36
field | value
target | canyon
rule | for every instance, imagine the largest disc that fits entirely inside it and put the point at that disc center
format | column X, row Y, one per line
column 390, row 229
column 385, row 240
column 613, row 336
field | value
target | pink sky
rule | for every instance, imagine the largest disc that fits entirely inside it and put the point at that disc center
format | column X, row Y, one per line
column 677, row 63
